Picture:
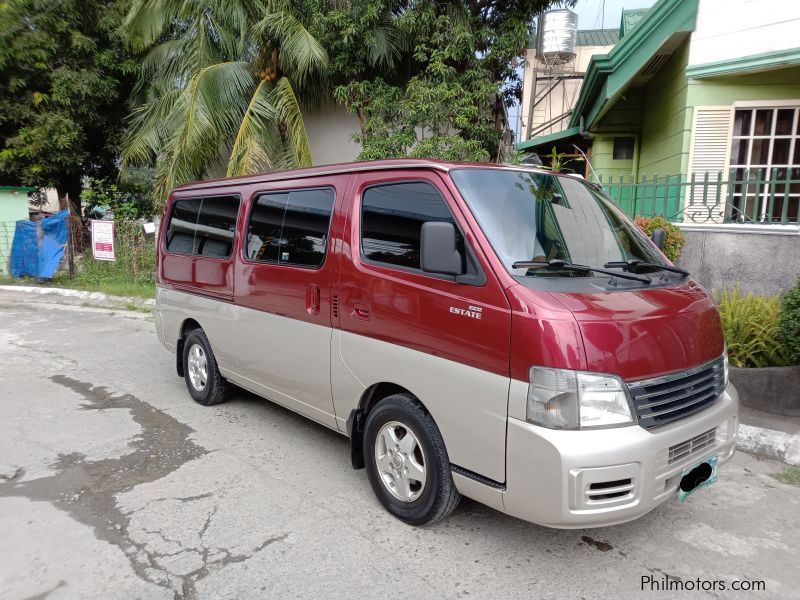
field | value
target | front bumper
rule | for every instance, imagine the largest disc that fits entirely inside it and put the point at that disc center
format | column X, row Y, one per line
column 594, row 478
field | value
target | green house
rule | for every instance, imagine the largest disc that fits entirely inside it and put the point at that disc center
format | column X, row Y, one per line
column 13, row 208
column 695, row 113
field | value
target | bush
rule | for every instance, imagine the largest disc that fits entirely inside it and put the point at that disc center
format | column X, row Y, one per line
column 751, row 329
column 789, row 323
column 674, row 238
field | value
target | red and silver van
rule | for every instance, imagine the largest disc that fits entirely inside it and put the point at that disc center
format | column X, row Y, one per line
column 497, row 332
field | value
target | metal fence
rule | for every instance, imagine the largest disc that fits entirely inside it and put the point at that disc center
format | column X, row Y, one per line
column 740, row 196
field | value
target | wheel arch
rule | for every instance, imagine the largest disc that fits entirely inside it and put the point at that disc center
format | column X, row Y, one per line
column 358, row 416
column 188, row 325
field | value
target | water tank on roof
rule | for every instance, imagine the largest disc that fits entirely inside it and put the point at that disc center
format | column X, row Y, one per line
column 556, row 38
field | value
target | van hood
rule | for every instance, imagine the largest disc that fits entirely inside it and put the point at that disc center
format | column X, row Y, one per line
column 645, row 333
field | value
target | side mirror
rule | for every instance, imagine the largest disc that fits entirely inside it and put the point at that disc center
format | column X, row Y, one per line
column 658, row 238
column 438, row 252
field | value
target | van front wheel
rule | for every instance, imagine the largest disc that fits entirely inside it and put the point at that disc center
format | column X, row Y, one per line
column 205, row 383
column 407, row 463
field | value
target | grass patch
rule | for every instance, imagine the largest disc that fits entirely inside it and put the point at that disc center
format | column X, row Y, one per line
column 790, row 475
column 111, row 286
column 132, row 274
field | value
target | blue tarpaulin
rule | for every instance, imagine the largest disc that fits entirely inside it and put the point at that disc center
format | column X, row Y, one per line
column 38, row 256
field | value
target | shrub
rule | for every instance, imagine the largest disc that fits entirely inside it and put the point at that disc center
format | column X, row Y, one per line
column 674, row 238
column 789, row 323
column 751, row 329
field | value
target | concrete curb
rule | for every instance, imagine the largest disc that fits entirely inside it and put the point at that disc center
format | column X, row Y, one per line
column 777, row 445
column 79, row 294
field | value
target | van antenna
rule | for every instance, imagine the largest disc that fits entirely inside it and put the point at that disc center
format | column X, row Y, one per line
column 588, row 162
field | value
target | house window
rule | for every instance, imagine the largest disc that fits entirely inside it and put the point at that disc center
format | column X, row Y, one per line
column 623, row 148
column 765, row 165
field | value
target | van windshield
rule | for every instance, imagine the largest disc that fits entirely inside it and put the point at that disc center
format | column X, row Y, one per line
column 539, row 217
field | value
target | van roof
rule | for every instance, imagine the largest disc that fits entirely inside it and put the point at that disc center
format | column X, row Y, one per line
column 350, row 167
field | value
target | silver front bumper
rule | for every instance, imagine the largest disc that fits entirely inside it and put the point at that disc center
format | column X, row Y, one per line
column 572, row 479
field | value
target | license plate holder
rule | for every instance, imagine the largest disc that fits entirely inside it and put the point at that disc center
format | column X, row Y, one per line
column 696, row 477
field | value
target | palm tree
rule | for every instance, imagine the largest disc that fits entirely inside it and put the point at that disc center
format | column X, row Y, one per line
column 221, row 82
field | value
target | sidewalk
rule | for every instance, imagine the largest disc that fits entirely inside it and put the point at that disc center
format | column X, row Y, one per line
column 760, row 433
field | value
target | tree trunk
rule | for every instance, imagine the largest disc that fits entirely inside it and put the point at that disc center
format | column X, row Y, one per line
column 70, row 186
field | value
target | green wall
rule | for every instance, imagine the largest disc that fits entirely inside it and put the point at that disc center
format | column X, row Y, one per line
column 13, row 208
column 667, row 120
column 624, row 119
column 779, row 84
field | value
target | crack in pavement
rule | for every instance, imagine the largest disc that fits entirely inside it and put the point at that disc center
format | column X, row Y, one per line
column 87, row 489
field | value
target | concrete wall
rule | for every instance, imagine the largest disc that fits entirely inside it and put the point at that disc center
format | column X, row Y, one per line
column 729, row 29
column 330, row 133
column 721, row 257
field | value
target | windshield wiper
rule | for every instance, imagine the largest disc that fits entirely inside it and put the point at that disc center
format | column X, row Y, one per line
column 632, row 264
column 562, row 264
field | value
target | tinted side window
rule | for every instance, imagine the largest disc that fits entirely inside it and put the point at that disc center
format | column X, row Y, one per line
column 290, row 227
column 392, row 216
column 203, row 226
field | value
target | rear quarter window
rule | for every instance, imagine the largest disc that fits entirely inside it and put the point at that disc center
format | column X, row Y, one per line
column 203, row 226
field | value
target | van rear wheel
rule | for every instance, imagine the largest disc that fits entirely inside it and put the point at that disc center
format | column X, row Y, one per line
column 206, row 384
column 407, row 463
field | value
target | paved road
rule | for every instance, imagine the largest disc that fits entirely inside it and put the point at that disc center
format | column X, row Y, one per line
column 114, row 484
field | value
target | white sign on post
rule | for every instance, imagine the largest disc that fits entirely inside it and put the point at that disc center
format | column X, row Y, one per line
column 103, row 240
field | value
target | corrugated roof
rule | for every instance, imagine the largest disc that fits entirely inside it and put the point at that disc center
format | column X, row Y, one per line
column 630, row 17
column 598, row 37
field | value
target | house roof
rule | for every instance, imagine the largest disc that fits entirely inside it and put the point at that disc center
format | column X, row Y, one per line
column 598, row 37
column 630, row 18
column 550, row 138
column 11, row 188
column 609, row 75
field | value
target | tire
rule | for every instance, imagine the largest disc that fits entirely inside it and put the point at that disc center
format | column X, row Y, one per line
column 206, row 386
column 396, row 480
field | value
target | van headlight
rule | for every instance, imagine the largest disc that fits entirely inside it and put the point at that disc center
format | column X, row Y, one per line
column 563, row 399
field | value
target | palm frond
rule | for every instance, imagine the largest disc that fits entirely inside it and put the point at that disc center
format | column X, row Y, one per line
column 291, row 118
column 301, row 55
column 145, row 134
column 257, row 142
column 198, row 129
column 148, row 20
column 385, row 46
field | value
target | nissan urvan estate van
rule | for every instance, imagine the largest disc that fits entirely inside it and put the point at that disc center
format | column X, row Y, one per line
column 501, row 333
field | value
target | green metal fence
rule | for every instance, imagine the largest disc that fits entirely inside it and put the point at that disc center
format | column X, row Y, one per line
column 740, row 196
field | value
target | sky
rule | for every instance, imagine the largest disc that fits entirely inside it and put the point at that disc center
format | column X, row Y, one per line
column 591, row 11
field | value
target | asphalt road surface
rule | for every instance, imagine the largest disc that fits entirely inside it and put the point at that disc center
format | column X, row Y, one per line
column 114, row 484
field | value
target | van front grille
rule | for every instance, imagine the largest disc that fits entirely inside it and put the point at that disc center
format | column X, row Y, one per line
column 697, row 444
column 666, row 399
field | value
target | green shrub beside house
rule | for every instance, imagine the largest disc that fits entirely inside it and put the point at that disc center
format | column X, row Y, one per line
column 761, row 331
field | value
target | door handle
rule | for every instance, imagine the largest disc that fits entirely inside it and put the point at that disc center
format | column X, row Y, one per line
column 312, row 299
column 361, row 310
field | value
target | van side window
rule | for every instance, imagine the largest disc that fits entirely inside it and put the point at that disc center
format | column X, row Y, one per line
column 203, row 226
column 392, row 216
column 290, row 227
